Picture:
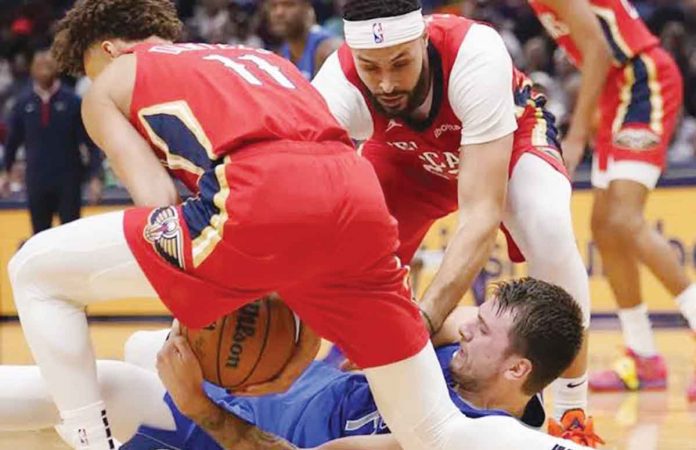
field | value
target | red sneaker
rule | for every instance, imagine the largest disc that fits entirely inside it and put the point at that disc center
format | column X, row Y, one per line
column 632, row 373
column 575, row 427
column 691, row 390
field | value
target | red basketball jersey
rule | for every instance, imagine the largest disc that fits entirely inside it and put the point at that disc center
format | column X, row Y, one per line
column 625, row 31
column 198, row 103
column 437, row 141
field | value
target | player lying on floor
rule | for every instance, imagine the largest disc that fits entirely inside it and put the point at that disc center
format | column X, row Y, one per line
column 495, row 360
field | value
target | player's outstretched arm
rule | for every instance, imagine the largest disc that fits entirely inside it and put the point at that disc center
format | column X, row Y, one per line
column 181, row 374
column 376, row 442
column 482, row 191
column 105, row 109
column 480, row 92
column 586, row 32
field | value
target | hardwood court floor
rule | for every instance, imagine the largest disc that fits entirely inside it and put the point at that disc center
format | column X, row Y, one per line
column 649, row 421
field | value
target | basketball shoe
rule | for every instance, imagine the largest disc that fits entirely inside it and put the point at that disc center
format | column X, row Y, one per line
column 632, row 373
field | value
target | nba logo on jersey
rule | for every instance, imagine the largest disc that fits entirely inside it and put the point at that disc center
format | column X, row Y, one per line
column 378, row 32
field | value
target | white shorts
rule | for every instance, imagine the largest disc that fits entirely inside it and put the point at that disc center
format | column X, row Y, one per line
column 639, row 171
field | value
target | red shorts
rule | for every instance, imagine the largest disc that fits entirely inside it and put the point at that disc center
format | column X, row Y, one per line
column 307, row 221
column 639, row 109
column 417, row 198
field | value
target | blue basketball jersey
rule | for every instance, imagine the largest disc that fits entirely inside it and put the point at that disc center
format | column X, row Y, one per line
column 324, row 404
column 307, row 62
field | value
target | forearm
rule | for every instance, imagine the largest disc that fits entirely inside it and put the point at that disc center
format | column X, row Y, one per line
column 13, row 144
column 594, row 73
column 373, row 442
column 94, row 168
column 464, row 258
column 230, row 432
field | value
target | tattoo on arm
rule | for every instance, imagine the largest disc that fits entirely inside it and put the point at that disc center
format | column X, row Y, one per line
column 231, row 432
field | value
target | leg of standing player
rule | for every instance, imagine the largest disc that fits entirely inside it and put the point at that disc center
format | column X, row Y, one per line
column 538, row 218
column 54, row 277
column 133, row 396
column 631, row 150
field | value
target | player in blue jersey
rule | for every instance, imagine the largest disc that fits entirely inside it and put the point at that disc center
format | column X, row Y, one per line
column 305, row 43
column 495, row 359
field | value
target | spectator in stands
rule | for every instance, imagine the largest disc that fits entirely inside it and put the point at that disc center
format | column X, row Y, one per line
column 241, row 27
column 537, row 55
column 305, row 43
column 46, row 120
column 210, row 20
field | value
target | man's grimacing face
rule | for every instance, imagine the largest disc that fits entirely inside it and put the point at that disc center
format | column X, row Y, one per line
column 483, row 356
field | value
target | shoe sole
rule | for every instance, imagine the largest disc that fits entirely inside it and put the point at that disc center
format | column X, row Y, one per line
column 643, row 387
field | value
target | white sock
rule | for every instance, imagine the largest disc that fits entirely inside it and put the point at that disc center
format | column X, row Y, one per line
column 87, row 428
column 687, row 304
column 569, row 393
column 637, row 330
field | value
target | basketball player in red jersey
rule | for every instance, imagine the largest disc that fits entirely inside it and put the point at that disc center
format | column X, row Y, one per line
column 637, row 89
column 449, row 124
column 282, row 204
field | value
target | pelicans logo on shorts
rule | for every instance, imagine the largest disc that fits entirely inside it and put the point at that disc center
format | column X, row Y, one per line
column 637, row 139
column 166, row 236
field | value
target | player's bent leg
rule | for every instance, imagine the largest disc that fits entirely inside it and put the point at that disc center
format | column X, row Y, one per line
column 54, row 276
column 412, row 397
column 141, row 348
column 500, row 432
column 133, row 396
column 538, row 218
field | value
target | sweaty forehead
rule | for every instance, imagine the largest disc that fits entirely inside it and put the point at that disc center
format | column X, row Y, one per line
column 494, row 317
column 386, row 55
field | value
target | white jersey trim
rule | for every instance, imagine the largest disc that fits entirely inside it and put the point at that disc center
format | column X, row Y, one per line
column 480, row 87
column 345, row 101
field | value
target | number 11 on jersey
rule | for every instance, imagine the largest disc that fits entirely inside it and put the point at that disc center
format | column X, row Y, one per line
column 243, row 71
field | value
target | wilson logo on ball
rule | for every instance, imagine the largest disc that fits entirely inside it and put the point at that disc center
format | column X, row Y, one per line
column 246, row 328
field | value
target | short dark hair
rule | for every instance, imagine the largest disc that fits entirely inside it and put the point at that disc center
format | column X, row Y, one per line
column 374, row 9
column 547, row 327
column 90, row 21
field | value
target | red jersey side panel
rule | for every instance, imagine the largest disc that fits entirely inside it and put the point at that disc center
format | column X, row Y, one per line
column 418, row 164
column 622, row 26
column 197, row 103
column 283, row 203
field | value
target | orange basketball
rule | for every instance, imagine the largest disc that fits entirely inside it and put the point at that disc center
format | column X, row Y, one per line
column 250, row 346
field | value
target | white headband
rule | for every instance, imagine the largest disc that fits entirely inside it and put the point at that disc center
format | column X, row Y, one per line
column 384, row 32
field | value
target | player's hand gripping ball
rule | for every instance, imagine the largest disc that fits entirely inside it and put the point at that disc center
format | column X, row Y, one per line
column 259, row 349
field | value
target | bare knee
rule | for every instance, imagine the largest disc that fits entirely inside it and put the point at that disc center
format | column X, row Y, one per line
column 617, row 227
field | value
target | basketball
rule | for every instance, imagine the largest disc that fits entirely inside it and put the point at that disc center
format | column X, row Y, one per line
column 250, row 346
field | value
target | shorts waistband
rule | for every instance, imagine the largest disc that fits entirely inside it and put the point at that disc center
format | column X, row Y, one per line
column 292, row 147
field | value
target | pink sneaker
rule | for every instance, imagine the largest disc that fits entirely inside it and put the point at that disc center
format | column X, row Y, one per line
column 691, row 391
column 632, row 373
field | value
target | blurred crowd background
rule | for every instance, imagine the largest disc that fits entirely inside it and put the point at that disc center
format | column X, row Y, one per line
column 26, row 27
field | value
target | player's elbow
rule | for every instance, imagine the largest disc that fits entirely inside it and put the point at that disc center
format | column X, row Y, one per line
column 484, row 217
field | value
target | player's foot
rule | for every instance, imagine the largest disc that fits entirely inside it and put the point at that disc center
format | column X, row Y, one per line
column 575, row 427
column 632, row 373
column 691, row 390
